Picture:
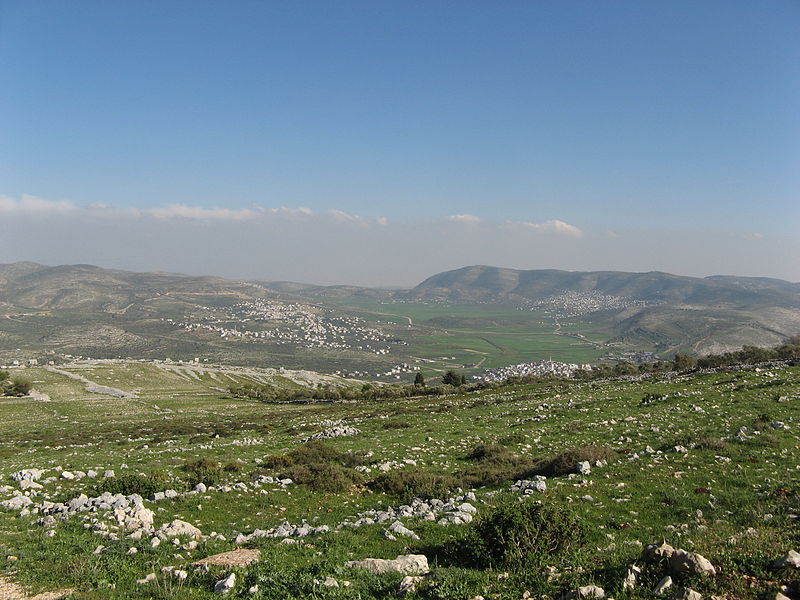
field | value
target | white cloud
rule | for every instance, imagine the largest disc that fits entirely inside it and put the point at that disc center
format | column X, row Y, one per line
column 199, row 213
column 554, row 226
column 28, row 204
column 753, row 236
column 340, row 216
column 465, row 219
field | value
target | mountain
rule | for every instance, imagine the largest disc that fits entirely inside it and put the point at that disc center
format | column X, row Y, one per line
column 654, row 310
column 496, row 284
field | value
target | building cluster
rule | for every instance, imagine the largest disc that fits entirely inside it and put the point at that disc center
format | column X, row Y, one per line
column 576, row 304
column 296, row 324
column 538, row 369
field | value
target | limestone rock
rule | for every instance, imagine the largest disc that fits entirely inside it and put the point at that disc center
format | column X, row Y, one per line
column 408, row 564
column 179, row 528
column 682, row 561
column 223, row 586
column 241, row 557
column 657, row 552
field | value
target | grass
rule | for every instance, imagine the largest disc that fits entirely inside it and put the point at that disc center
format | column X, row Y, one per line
column 729, row 497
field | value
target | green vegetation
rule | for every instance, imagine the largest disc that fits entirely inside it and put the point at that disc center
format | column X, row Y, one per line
column 708, row 462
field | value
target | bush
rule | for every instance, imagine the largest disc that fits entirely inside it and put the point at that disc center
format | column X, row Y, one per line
column 495, row 465
column 408, row 484
column 519, row 535
column 132, row 483
column 203, row 470
column 564, row 463
column 319, row 466
column 324, row 477
column 15, row 387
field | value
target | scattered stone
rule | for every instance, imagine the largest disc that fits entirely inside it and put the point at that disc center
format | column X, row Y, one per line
column 584, row 467
column 631, row 577
column 332, row 432
column 146, row 579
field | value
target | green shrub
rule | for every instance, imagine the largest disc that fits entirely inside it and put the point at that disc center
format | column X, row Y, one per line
column 324, row 477
column 408, row 484
column 15, row 387
column 565, row 462
column 494, row 465
column 203, row 470
column 132, row 483
column 519, row 535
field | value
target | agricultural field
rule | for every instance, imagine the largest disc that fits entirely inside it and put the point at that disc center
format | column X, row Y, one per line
column 512, row 492
column 484, row 336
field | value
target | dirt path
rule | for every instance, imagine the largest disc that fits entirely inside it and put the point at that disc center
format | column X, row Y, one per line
column 11, row 591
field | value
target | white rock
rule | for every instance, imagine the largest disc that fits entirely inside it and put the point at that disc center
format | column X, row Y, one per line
column 223, row 586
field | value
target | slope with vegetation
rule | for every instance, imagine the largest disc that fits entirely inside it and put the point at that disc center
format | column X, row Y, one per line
column 534, row 489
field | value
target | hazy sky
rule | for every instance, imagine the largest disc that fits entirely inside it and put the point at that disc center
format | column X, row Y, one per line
column 379, row 142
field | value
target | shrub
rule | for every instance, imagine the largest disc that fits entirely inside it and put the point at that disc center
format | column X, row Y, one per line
column 319, row 466
column 325, row 477
column 15, row 387
column 495, row 465
column 132, row 483
column 520, row 535
column 565, row 463
column 203, row 470
column 409, row 484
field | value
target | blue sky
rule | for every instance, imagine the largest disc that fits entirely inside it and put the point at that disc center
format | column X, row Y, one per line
column 618, row 119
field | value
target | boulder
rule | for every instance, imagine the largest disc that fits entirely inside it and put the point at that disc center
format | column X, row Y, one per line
column 408, row 564
column 179, row 528
column 241, row 557
column 682, row 561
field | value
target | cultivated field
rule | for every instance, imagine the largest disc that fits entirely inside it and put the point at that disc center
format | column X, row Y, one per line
column 708, row 463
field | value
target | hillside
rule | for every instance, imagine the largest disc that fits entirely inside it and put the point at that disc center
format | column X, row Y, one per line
column 482, row 283
column 659, row 311
column 84, row 310
column 706, row 462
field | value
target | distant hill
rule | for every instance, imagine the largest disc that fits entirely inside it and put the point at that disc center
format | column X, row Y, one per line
column 654, row 309
column 91, row 311
column 496, row 284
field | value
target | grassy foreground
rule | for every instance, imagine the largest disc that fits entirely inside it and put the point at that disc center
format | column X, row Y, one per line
column 709, row 462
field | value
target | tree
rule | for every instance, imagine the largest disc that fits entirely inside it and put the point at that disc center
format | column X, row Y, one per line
column 454, row 379
column 419, row 380
column 684, row 362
